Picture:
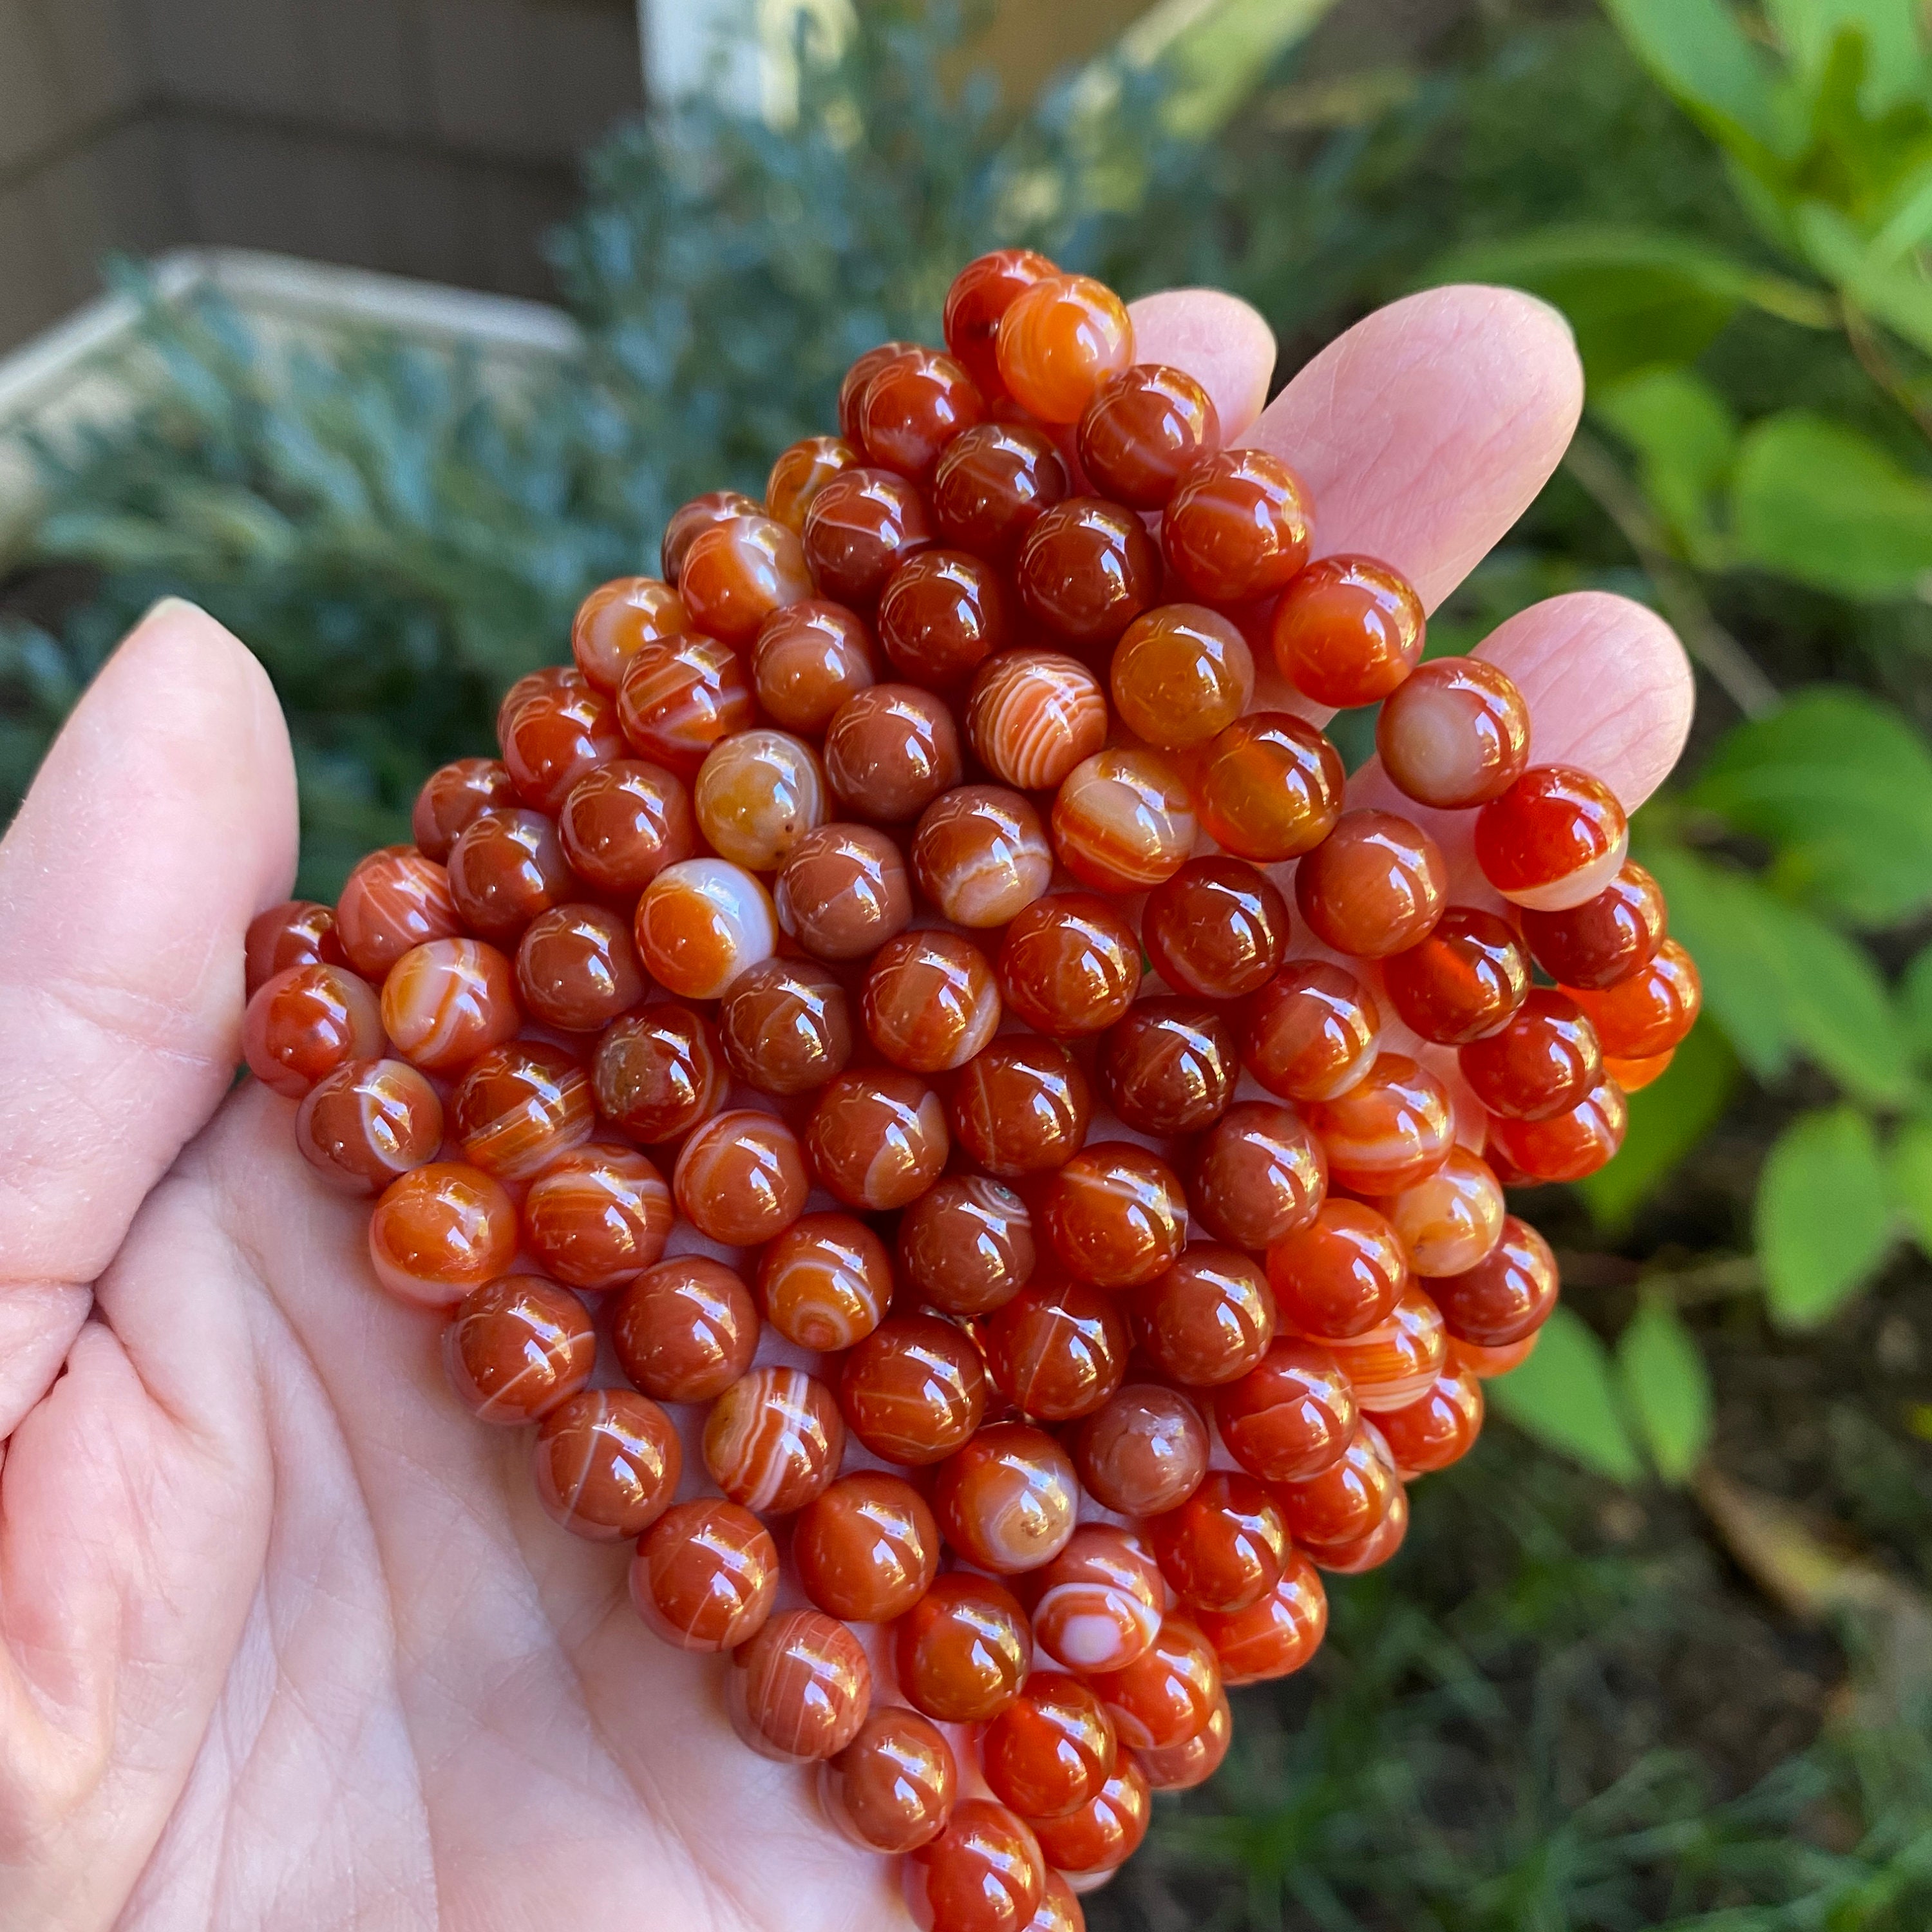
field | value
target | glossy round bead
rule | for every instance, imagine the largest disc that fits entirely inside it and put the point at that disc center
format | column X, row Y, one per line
column 1224, row 1547
column 878, row 1139
column 1217, row 928
column 992, row 485
column 1290, row 1416
column 685, row 1330
column 942, row 612
column 1439, row 1428
column 737, row 573
column 1465, row 979
column 1022, row 1106
column 983, row 1873
column 802, row 470
column 439, row 1231
column 1068, row 964
column 680, row 695
column 1058, row 340
column 1087, row 569
column 622, row 826
column 308, row 1023
column 980, row 296
column 890, row 751
column 786, row 1026
column 1168, row 1066
column 557, row 738
column 1311, row 1032
column 1371, row 1551
column 824, row 1282
column 1114, row 1214
column 1143, row 429
column 862, row 525
column 1143, row 1451
column 962, row 1651
column 1057, row 1350
column 1207, row 1319
column 1236, row 526
column 547, row 682
column 1390, row 1365
column 1122, row 821
column 506, row 868
column 1101, row 1835
column 757, row 795
column 1059, row 1908
column 843, row 892
column 577, row 968
column 1634, row 1076
column 606, row 1463
column 1184, row 1766
column 773, row 1439
column 1008, row 1500
column 1164, row 1695
column 967, row 1246
column 1649, row 1010
column 1343, row 1503
column 1347, row 631
column 367, row 1122
column 516, row 1347
column 598, row 1216
column 1098, row 1605
column 1033, row 715
column 867, row 1549
column 1450, row 1222
column 1340, row 1274
column 912, row 408
column 1275, row 1636
column 298, row 932
column 930, row 1001
column 1394, row 1127
column 1181, row 673
column 740, row 1177
column 1555, row 839
column 1051, row 1749
column 452, row 796
column 1545, row 1059
column 807, row 660
column 689, row 521
column 1569, row 1146
column 893, row 1787
column 980, row 855
column 1269, row 786
column 706, row 1575
column 1505, row 1297
column 1455, row 733
column 913, row 1391
column 1374, row 886
column 1259, row 1174
column 852, row 386
column 1604, row 940
column 519, row 1106
column 699, row 923
column 394, row 900
column 617, row 620
column 657, row 1072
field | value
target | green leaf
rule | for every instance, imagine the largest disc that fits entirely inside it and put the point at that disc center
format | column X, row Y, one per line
column 1908, row 1163
column 1686, row 440
column 1565, row 1397
column 1667, row 1119
column 1870, row 273
column 1915, row 1004
column 1696, row 49
column 1841, row 785
column 1894, row 58
column 1666, row 1387
column 1826, row 506
column 1824, row 1215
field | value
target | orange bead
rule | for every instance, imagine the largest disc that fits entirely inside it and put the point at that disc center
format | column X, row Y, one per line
column 1544, row 1059
column 1604, row 940
column 843, row 892
column 517, row 1347
column 962, row 1651
column 689, row 521
column 657, row 1072
column 1207, row 1319
column 701, row 923
column 992, row 485
column 1291, row 1415
column 1455, row 734
column 1051, row 1750
column 1122, row 821
column 1277, row 1636
column 1143, row 1451
column 912, row 408
column 680, row 695
column 1340, row 1274
column 1033, row 715
column 1183, row 1767
column 1390, row 1365
column 983, row 1873
column 1115, row 1215
column 1374, row 886
column 852, row 386
column 824, row 1282
column 606, row 1464
column 557, row 738
column 1347, row 631
column 867, row 1548
column 807, row 660
column 297, row 932
column 1223, row 1548
column 1557, row 837
column 1236, row 526
column 1144, row 430
column 1217, row 928
column 913, row 1391
column 862, row 525
column 1311, row 1032
column 1506, row 1296
column 1057, row 1350
column 439, row 1231
column 930, row 1001
column 942, row 612
column 878, row 1139
column 773, row 1439
column 1269, row 788
column 1259, row 1174
column 786, row 1025
column 1087, row 569
column 598, row 1217
column 1099, row 1837
column 1021, row 1106
column 802, row 470
column 394, row 900
column 981, row 294
column 891, row 750
column 1650, row 1009
column 1485, row 1363
column 1181, row 674
column 577, row 968
column 685, row 1330
column 966, row 1245
column 520, row 1106
column 1450, row 1221
column 980, row 855
column 1165, row 1694
column 1634, row 1076
column 1394, row 1127
column 1069, row 964
column 1569, row 1146
column 1099, row 1604
column 740, row 1177
column 622, row 826
column 1343, row 1503
column 1058, row 340
column 452, row 798
column 1059, row 1908
column 506, row 868
column 308, row 1023
column 706, row 1575
column 757, row 795
column 1008, row 1499
column 1371, row 1551
column 1439, row 1427
column 367, row 1122
column 892, row 1788
column 1465, row 979
column 1168, row 1066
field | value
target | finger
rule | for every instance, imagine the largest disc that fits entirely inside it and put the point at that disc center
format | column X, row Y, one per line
column 1426, row 430
column 1218, row 339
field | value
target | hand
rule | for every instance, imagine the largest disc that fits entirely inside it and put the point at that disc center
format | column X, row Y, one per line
column 285, row 1640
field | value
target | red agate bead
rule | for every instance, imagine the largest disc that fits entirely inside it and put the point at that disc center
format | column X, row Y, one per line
column 557, row 738
column 577, row 968
column 1374, row 886
column 1033, row 715
column 1569, row 1146
column 966, row 1245
column 1545, row 1059
column 606, row 1463
column 1021, row 1106
column 685, row 1330
column 1216, row 929
column 1069, row 964
column 980, row 855
column 1650, row 1009
column 1057, row 1350
column 394, row 899
column 1311, row 1033
column 1467, row 978
column 773, row 1439
column 1087, row 569
column 1345, row 1502
column 867, row 1549
column 598, row 1216
column 1051, row 1749
column 1097, row 1837
column 1440, row 1427
column 930, row 1001
column 1008, row 1500
column 308, row 1023
column 1604, row 940
column 891, row 750
column 1207, row 1319
column 1505, row 1297
column 657, row 1072
column 1099, row 1604
column 843, row 892
column 981, row 294
column 680, row 695
column 1182, row 1767
column 367, row 1122
column 1276, row 1635
column 786, row 1025
column 1371, row 1551
column 1290, row 1416
column 1122, row 821
column 1224, row 1547
column 757, row 795
column 1341, row 1273
column 1555, row 839
column 1450, row 1221
column 1144, row 430
column 616, row 620
column 984, row 1872
column 1168, row 1066
column 912, row 408
column 1058, row 340
column 1454, row 733
column 852, row 386
column 690, row 520
column 518, row 1346
column 961, row 1652
column 1115, row 1215
column 892, row 1788
column 913, row 1391
column 1236, row 526
column 439, row 1231
column 824, row 1282
column 740, row 1177
column 506, row 868
column 1347, row 631
column 808, row 659
column 706, row 1575
column 701, row 923
column 1269, row 786
column 1181, row 674
column 1059, row 1908
column 451, row 797
column 1168, row 1692
column 878, row 1139
column 1143, row 1451
column 1390, row 1365
column 800, row 471
column 1259, row 1174
column 1391, row 1130
column 862, row 525
column 942, row 613
column 519, row 1106
column 298, row 932
column 799, row 1690
column 992, row 485
column 622, row 825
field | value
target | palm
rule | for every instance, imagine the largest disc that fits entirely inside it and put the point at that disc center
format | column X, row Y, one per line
column 287, row 1639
